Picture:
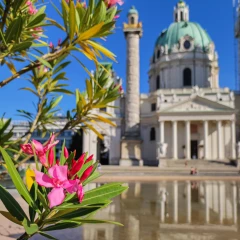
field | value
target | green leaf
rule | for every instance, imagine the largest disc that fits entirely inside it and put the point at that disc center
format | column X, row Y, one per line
column 10, row 217
column 62, row 91
column 72, row 20
column 56, row 24
column 103, row 193
column 84, row 168
column 12, row 205
column 56, row 8
column 94, row 176
column 94, row 221
column 17, row 179
column 17, row 5
column 62, row 158
column 43, row 200
column 89, row 89
column 47, row 235
column 65, row 11
column 5, row 126
column 33, row 193
column 36, row 19
column 77, row 213
column 55, row 102
column 21, row 46
column 63, row 225
column 14, row 30
column 30, row 228
column 60, row 67
column 43, row 61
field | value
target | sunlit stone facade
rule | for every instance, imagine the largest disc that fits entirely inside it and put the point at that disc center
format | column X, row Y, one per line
column 185, row 115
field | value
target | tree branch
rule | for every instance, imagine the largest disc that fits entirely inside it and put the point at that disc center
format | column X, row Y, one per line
column 48, row 57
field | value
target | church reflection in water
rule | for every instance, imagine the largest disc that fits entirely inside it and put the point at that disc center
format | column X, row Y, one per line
column 172, row 210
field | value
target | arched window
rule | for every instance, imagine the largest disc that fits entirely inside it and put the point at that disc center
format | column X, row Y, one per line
column 152, row 134
column 176, row 17
column 132, row 20
column 182, row 16
column 158, row 82
column 153, row 58
column 187, row 77
column 158, row 54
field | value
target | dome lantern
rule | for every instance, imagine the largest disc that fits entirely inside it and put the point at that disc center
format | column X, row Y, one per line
column 181, row 12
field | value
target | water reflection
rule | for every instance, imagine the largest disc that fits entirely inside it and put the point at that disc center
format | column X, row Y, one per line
column 171, row 210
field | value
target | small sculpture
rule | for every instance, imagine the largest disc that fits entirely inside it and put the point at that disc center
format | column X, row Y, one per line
column 162, row 150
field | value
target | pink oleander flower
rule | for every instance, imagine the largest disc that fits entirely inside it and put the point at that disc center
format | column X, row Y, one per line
column 65, row 152
column 51, row 45
column 31, row 9
column 58, row 180
column 40, row 150
column 59, row 41
column 77, row 165
column 39, row 30
column 114, row 2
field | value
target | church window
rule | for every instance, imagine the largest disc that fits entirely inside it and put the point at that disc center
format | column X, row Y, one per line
column 153, row 107
column 152, row 134
column 187, row 44
column 132, row 20
column 158, row 54
column 187, row 77
column 182, row 19
column 176, row 17
column 158, row 82
column 103, row 109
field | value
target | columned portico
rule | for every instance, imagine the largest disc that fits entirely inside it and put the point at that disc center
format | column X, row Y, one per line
column 188, row 139
column 198, row 136
column 206, row 151
column 220, row 140
column 175, row 139
column 233, row 135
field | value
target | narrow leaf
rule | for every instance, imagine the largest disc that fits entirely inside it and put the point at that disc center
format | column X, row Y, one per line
column 17, row 179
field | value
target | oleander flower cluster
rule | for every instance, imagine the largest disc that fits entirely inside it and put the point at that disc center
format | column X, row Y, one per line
column 62, row 176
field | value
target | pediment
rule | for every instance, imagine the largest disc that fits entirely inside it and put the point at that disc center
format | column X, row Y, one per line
column 198, row 104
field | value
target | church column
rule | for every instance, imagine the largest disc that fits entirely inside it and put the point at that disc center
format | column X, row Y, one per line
column 189, row 203
column 175, row 191
column 235, row 213
column 162, row 132
column 207, row 212
column 188, row 139
column 233, row 137
column 175, row 140
column 206, row 153
column 220, row 140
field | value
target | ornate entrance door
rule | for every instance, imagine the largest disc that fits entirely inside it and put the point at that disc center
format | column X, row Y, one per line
column 194, row 149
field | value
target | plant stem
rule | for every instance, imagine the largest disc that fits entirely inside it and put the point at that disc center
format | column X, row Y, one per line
column 25, row 236
column 33, row 127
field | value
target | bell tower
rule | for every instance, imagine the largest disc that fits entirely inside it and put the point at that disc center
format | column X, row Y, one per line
column 131, row 141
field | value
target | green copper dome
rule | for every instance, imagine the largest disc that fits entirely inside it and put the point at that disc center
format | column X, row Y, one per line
column 177, row 30
column 132, row 10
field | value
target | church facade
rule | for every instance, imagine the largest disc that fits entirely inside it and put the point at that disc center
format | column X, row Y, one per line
column 185, row 115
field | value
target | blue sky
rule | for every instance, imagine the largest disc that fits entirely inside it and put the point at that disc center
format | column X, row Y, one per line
column 156, row 15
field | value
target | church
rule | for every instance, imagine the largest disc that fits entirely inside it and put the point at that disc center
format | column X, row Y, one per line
column 185, row 115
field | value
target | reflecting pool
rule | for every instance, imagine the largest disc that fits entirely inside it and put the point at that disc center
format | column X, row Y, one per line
column 171, row 210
